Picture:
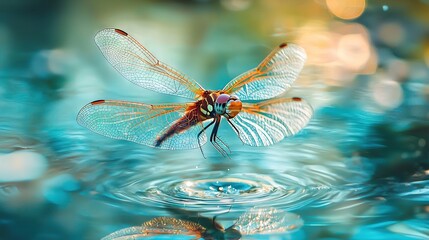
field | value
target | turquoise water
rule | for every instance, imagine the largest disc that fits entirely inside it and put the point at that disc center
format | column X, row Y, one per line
column 358, row 170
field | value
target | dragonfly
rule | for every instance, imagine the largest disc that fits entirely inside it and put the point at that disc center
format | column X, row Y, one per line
column 256, row 221
column 249, row 102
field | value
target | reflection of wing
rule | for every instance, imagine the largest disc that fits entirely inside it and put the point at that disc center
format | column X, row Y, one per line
column 264, row 221
column 159, row 226
column 140, row 123
column 139, row 66
column 268, row 122
column 169, row 225
column 274, row 75
column 126, row 234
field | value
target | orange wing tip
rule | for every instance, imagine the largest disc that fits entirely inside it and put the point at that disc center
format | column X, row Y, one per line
column 97, row 102
column 283, row 45
column 297, row 99
column 121, row 32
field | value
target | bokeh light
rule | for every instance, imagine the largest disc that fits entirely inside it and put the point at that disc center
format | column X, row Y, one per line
column 398, row 69
column 319, row 43
column 341, row 52
column 22, row 166
column 391, row 33
column 346, row 9
column 386, row 93
column 353, row 51
column 236, row 5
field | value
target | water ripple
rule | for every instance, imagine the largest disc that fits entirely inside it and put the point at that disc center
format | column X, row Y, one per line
column 208, row 190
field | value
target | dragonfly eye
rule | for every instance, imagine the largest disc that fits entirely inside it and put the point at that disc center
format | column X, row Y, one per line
column 220, row 104
column 227, row 105
column 233, row 107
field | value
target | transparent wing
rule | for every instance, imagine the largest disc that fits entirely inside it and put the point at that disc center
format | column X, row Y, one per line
column 140, row 123
column 159, row 226
column 126, row 234
column 265, row 221
column 270, row 121
column 139, row 66
column 274, row 75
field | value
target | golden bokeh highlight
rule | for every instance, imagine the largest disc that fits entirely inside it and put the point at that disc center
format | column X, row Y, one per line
column 339, row 52
column 346, row 9
column 319, row 45
column 353, row 51
column 372, row 63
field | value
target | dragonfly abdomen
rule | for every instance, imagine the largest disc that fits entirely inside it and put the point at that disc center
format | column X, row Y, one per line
column 197, row 112
column 188, row 120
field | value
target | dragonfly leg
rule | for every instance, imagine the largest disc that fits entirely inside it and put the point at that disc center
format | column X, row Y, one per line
column 199, row 134
column 235, row 128
column 213, row 138
column 220, row 149
column 223, row 143
column 220, row 140
column 215, row 128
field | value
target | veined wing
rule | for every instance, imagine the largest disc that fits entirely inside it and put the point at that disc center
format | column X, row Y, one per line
column 270, row 121
column 274, row 75
column 140, row 123
column 139, row 66
column 265, row 221
column 129, row 233
column 159, row 226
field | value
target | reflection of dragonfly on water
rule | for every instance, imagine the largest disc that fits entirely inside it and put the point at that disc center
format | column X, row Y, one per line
column 254, row 222
column 180, row 126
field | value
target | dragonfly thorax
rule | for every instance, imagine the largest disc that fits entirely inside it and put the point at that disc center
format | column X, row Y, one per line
column 227, row 105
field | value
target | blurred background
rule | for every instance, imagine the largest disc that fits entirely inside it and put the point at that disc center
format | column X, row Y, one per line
column 359, row 170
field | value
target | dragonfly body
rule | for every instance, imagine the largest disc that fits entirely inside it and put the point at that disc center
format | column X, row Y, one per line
column 183, row 125
column 213, row 105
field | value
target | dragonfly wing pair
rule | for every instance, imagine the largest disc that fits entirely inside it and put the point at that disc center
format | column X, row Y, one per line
column 140, row 123
column 259, row 124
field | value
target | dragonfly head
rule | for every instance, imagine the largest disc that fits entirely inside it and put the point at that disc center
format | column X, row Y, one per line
column 227, row 105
